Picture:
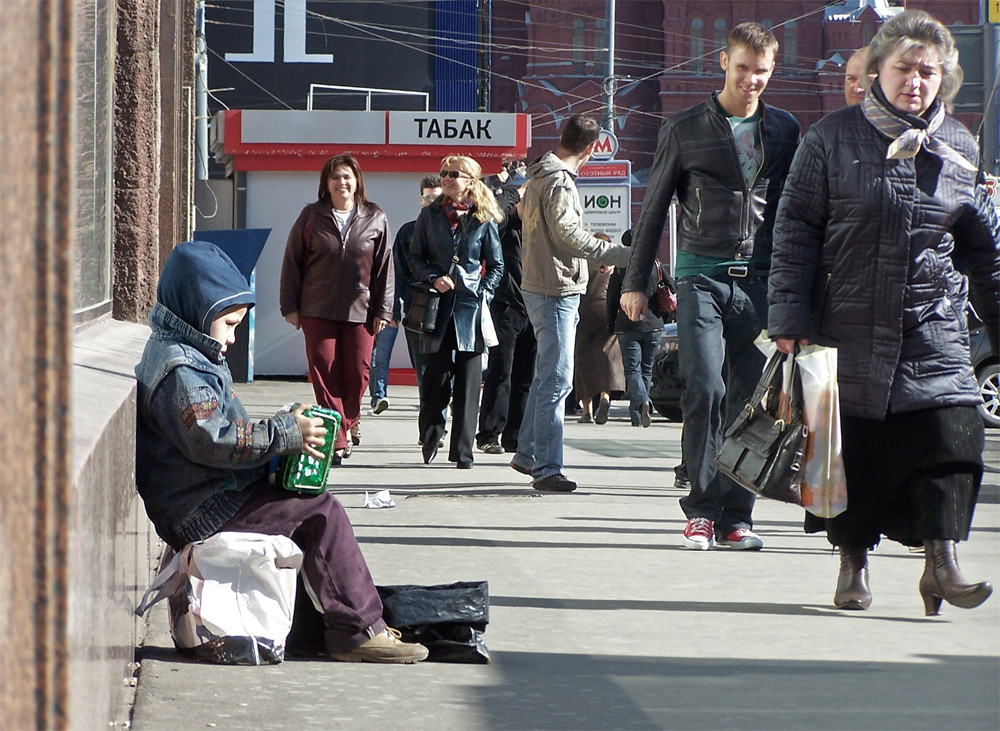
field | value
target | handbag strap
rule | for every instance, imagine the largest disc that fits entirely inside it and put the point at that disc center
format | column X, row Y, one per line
column 770, row 387
column 769, row 383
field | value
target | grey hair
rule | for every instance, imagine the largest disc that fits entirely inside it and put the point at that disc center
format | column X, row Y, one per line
column 917, row 29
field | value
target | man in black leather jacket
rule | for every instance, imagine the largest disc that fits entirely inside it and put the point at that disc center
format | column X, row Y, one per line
column 726, row 161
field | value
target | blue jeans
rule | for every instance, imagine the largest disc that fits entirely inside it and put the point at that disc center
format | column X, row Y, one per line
column 638, row 350
column 540, row 441
column 717, row 323
column 378, row 384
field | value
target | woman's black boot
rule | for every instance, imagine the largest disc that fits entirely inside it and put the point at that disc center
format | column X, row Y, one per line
column 852, row 582
column 943, row 579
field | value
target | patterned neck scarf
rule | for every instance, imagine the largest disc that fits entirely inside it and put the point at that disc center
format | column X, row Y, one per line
column 451, row 209
column 909, row 133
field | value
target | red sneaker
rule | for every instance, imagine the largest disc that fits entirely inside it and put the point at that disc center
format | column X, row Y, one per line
column 742, row 539
column 699, row 534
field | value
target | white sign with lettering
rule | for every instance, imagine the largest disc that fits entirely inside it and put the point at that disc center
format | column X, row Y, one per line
column 606, row 209
column 451, row 128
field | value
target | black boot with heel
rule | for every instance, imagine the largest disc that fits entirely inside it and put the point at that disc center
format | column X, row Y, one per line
column 943, row 579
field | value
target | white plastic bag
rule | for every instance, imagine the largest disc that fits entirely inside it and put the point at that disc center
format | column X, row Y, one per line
column 824, row 483
column 231, row 597
column 486, row 321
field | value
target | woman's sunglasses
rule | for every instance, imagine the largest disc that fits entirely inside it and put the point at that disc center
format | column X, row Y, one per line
column 454, row 174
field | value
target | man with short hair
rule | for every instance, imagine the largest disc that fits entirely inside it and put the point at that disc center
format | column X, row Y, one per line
column 555, row 252
column 856, row 80
column 726, row 160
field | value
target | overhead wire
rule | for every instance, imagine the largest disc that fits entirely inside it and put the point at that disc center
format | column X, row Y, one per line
column 422, row 42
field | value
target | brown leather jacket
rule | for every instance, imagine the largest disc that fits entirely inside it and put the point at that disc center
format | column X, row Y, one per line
column 350, row 281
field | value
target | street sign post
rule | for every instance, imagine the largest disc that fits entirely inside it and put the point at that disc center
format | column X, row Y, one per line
column 605, row 187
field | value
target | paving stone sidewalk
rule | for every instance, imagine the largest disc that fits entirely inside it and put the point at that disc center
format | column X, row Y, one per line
column 599, row 619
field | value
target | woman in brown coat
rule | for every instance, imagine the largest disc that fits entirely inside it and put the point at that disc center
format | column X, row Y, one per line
column 337, row 286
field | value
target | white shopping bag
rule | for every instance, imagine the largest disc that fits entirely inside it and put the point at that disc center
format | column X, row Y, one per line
column 231, row 597
column 486, row 322
column 824, row 483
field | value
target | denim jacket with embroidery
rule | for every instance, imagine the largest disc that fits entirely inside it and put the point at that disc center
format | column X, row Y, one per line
column 198, row 454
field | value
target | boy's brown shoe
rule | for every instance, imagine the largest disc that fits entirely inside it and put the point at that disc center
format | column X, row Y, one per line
column 385, row 647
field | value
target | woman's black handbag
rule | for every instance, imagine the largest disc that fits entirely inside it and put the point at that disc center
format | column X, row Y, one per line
column 421, row 315
column 764, row 449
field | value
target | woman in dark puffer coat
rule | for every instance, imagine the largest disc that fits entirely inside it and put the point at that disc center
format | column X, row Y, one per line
column 883, row 222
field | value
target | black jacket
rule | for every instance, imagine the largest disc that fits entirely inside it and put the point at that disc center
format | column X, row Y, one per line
column 431, row 250
column 720, row 216
column 866, row 255
column 508, row 292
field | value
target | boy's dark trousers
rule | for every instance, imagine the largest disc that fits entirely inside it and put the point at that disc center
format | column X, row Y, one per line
column 332, row 561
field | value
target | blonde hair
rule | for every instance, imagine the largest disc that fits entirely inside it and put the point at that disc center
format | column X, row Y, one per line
column 918, row 29
column 480, row 195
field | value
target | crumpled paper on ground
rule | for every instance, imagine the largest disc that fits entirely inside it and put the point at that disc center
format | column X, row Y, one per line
column 381, row 499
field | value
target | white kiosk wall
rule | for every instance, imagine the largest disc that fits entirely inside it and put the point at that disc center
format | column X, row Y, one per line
column 282, row 153
column 274, row 200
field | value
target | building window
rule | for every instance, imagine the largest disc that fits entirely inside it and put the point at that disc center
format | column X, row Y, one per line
column 579, row 46
column 602, row 44
column 791, row 47
column 720, row 34
column 698, row 46
column 767, row 24
column 92, row 251
column 867, row 33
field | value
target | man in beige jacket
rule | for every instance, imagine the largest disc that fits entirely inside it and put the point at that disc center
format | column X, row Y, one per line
column 555, row 252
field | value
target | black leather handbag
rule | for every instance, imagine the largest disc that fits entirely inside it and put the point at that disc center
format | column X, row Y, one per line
column 764, row 449
column 421, row 314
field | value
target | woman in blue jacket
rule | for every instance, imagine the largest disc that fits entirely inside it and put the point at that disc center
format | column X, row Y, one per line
column 456, row 249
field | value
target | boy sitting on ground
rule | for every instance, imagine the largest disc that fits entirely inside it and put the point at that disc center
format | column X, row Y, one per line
column 201, row 463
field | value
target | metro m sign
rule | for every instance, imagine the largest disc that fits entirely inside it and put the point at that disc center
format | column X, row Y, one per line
column 606, row 147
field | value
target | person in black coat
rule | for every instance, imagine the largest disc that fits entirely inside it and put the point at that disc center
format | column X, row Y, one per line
column 456, row 249
column 882, row 203
column 511, row 363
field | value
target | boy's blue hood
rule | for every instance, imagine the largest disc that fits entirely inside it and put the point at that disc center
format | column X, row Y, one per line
column 199, row 281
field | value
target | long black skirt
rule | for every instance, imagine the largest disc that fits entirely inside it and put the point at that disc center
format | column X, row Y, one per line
column 913, row 477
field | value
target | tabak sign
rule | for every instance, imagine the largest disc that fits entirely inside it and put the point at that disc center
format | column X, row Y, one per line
column 264, row 54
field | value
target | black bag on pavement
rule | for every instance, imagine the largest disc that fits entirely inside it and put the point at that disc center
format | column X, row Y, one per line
column 421, row 315
column 764, row 449
column 449, row 620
